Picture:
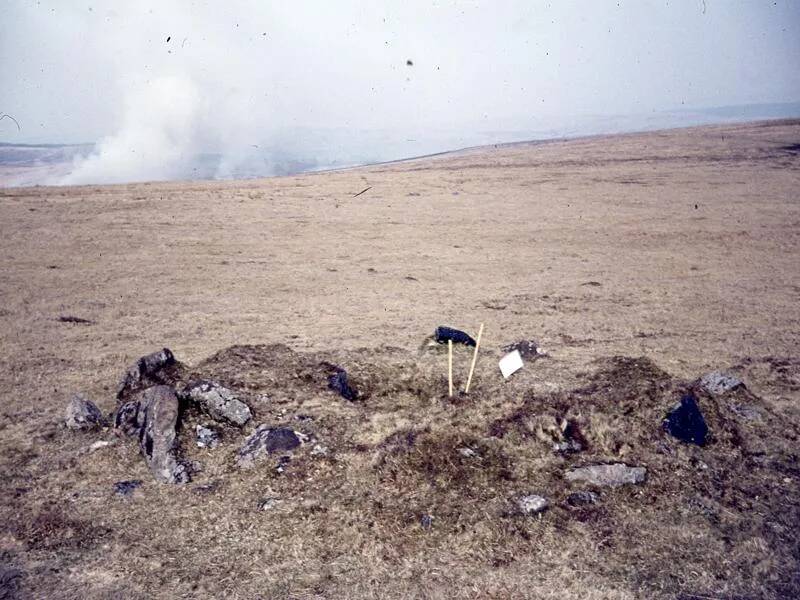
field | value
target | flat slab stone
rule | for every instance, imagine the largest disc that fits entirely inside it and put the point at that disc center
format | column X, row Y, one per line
column 613, row 475
column 218, row 402
column 720, row 383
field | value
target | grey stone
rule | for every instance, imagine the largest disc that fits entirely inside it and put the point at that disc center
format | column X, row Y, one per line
column 532, row 504
column 207, row 437
column 745, row 411
column 268, row 503
column 613, row 475
column 144, row 372
column 218, row 402
column 720, row 383
column 157, row 418
column 426, row 521
column 263, row 441
column 83, row 415
column 582, row 498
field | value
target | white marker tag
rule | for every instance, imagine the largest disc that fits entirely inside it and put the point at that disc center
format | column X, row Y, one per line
column 510, row 363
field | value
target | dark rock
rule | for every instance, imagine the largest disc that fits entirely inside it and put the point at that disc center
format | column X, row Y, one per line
column 443, row 334
column 613, row 475
column 207, row 437
column 582, row 498
column 266, row 440
column 686, row 422
column 719, row 383
column 528, row 349
column 144, row 372
column 82, row 414
column 157, row 418
column 338, row 383
column 126, row 417
column 126, row 488
column 218, row 402
column 532, row 504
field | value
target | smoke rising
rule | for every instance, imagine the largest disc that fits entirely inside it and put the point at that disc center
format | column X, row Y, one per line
column 177, row 89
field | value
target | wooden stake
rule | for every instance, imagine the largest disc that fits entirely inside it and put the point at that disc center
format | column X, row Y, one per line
column 474, row 359
column 450, row 366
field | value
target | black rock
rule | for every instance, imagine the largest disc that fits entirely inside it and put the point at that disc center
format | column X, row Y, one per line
column 686, row 422
column 126, row 488
column 528, row 349
column 581, row 498
column 443, row 334
column 338, row 383
column 266, row 440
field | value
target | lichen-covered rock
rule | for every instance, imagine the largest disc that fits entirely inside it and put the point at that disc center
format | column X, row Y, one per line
column 126, row 418
column 82, row 414
column 532, row 504
column 263, row 441
column 207, row 437
column 145, row 372
column 218, row 402
column 157, row 418
column 613, row 475
column 719, row 383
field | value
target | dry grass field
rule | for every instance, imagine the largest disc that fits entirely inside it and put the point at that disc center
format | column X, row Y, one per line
column 638, row 262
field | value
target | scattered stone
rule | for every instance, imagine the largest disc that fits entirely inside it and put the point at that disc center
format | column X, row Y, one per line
column 582, row 498
column 265, row 440
column 467, row 452
column 283, row 463
column 568, row 446
column 444, row 334
column 319, row 450
column 528, row 349
column 73, row 319
column 126, row 418
column 532, row 504
column 218, row 402
column 613, row 475
column 339, row 384
column 99, row 444
column 745, row 411
column 145, row 371
column 126, row 488
column 268, row 503
column 157, row 418
column 720, row 383
column 206, row 488
column 686, row 422
column 207, row 437
column 82, row 414
column 426, row 521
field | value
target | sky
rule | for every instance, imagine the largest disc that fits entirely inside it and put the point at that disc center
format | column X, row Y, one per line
column 158, row 84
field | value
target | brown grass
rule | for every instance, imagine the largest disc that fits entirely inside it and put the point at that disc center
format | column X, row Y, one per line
column 213, row 265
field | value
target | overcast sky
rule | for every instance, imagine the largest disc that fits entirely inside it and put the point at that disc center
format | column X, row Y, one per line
column 233, row 73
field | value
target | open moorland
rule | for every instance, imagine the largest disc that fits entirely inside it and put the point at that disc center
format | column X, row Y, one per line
column 638, row 263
